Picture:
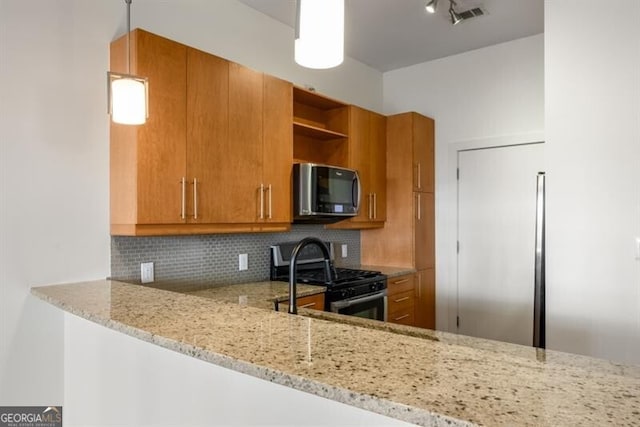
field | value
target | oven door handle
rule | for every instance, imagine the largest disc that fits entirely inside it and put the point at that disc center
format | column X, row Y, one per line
column 339, row 305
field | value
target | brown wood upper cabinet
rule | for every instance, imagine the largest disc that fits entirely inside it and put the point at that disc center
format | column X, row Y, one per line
column 367, row 154
column 215, row 154
column 148, row 162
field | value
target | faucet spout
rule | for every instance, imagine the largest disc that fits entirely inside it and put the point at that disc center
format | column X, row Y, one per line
column 293, row 306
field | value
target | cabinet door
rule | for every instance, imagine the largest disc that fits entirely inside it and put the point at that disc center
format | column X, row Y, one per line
column 161, row 141
column 207, row 133
column 277, row 150
column 424, row 231
column 359, row 160
column 378, row 164
column 367, row 154
column 423, row 153
column 240, row 166
column 425, row 307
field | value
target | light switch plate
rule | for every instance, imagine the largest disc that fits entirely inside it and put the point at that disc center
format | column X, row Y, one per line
column 243, row 262
column 146, row 272
column 344, row 251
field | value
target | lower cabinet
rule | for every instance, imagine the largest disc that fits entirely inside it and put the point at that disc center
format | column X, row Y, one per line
column 401, row 298
column 313, row 302
column 425, row 313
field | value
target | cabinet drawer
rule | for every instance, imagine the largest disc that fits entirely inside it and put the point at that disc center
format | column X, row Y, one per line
column 313, row 302
column 405, row 317
column 400, row 301
column 400, row 284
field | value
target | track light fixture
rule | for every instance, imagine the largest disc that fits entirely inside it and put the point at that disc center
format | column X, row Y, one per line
column 456, row 18
column 431, row 6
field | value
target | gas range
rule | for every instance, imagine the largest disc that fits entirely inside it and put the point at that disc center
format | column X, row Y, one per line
column 346, row 285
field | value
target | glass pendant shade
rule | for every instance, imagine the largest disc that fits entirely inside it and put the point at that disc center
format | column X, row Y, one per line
column 128, row 99
column 320, row 33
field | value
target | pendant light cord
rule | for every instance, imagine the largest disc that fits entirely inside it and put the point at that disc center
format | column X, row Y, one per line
column 128, row 2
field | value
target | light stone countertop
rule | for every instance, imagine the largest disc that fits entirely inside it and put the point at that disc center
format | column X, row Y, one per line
column 422, row 377
column 257, row 294
column 389, row 271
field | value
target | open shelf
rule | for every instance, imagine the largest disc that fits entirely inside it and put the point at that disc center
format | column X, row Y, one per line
column 320, row 128
column 313, row 99
column 315, row 132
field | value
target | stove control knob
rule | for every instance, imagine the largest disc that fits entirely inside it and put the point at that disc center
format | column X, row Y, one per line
column 344, row 294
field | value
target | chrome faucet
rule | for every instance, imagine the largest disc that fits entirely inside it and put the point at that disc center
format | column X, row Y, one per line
column 293, row 307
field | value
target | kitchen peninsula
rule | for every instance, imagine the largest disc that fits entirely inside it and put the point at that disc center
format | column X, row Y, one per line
column 427, row 378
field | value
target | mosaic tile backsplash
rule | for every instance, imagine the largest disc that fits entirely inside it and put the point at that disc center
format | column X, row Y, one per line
column 191, row 262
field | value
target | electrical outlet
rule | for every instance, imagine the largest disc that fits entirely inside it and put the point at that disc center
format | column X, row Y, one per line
column 243, row 262
column 146, row 272
column 344, row 251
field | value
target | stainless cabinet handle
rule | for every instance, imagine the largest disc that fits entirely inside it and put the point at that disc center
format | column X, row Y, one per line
column 375, row 205
column 419, row 286
column 269, row 214
column 261, row 201
column 195, row 198
column 419, row 209
column 401, row 317
column 311, row 304
column 401, row 299
column 371, row 206
column 419, row 177
column 401, row 281
column 183, row 201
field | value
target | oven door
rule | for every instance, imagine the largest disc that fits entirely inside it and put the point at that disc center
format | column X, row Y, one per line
column 370, row 306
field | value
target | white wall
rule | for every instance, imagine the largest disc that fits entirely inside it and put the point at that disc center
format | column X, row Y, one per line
column 236, row 32
column 54, row 142
column 592, row 56
column 490, row 96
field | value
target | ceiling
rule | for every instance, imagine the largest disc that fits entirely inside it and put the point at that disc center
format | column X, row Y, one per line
column 390, row 34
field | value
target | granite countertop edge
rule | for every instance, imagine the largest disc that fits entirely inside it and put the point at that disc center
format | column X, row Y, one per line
column 374, row 404
column 454, row 374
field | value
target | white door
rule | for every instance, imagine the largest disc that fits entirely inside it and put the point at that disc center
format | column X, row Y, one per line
column 496, row 234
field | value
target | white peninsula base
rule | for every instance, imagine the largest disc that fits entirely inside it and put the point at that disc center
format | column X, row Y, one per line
column 115, row 379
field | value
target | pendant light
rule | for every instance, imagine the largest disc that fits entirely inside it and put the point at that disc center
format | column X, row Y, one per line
column 319, row 40
column 431, row 6
column 128, row 94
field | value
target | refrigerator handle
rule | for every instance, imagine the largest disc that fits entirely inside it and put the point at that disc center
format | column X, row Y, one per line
column 539, row 328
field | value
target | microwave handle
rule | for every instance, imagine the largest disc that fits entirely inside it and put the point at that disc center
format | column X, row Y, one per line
column 355, row 188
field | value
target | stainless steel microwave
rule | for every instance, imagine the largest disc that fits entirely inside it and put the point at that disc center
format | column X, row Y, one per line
column 324, row 194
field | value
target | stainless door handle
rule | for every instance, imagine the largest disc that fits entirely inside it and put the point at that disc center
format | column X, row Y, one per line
column 401, row 299
column 183, row 202
column 419, row 177
column 195, row 198
column 311, row 304
column 401, row 281
column 419, row 286
column 419, row 209
column 401, row 317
